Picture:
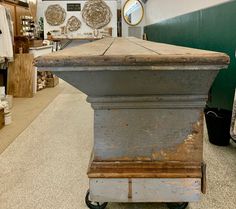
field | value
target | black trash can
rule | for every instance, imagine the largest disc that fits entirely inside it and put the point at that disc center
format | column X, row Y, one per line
column 218, row 125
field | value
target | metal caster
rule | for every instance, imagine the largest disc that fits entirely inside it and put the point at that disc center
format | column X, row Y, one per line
column 177, row 205
column 94, row 205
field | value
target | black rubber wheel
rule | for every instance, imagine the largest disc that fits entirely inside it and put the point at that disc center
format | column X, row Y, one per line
column 94, row 205
column 177, row 205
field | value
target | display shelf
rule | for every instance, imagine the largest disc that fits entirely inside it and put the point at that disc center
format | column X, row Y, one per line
column 27, row 26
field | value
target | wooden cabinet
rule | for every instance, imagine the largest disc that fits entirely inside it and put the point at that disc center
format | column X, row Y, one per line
column 20, row 11
column 16, row 12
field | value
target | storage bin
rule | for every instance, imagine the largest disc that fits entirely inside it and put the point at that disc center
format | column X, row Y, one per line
column 218, row 125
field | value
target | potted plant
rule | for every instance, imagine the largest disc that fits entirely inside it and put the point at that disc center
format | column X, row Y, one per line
column 49, row 36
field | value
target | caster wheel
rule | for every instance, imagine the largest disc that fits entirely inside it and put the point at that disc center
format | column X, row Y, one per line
column 177, row 205
column 94, row 205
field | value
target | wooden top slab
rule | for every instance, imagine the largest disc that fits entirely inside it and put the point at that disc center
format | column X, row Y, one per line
column 130, row 52
column 59, row 38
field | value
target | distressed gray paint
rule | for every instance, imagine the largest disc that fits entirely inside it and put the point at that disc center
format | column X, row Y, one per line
column 146, row 190
column 136, row 133
column 133, row 82
column 166, row 190
column 112, row 190
column 148, row 102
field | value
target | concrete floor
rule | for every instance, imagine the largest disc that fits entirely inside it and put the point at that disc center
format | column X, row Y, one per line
column 24, row 111
column 45, row 167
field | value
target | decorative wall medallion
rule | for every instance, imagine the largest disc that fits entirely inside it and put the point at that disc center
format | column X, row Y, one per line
column 73, row 24
column 55, row 15
column 96, row 14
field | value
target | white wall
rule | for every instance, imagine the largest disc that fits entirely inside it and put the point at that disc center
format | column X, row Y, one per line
column 118, row 4
column 42, row 6
column 159, row 10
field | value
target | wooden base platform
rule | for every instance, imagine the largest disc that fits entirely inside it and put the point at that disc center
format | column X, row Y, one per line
column 146, row 181
column 144, row 170
column 145, row 189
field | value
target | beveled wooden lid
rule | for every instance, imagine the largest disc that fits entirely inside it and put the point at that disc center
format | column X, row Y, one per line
column 130, row 51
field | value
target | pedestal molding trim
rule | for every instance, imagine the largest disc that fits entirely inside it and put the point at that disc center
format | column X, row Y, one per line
column 148, row 102
column 133, row 68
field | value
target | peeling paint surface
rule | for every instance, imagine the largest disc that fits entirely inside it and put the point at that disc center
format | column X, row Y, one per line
column 192, row 146
column 148, row 135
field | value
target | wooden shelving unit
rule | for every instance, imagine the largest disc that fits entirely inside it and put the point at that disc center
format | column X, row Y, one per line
column 17, row 9
column 27, row 26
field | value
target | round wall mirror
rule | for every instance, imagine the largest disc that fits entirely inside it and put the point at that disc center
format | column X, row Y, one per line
column 133, row 12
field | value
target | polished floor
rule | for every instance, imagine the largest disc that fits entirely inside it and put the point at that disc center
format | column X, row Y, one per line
column 24, row 111
column 45, row 167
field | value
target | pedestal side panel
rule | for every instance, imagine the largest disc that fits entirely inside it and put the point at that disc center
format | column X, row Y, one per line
column 148, row 135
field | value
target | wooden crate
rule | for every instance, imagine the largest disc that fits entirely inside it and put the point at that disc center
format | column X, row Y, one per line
column 1, row 118
column 52, row 82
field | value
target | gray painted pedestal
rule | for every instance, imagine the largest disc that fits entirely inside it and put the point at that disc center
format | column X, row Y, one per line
column 148, row 122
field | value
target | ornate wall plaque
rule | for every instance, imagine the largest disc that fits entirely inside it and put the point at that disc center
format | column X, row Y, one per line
column 55, row 15
column 96, row 14
column 73, row 24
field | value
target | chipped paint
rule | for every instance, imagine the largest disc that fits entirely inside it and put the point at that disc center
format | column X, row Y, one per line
column 182, row 152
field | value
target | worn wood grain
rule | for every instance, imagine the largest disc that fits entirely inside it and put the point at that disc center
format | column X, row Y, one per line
column 130, row 51
column 97, row 48
column 55, row 38
column 151, row 172
column 124, row 47
column 164, row 49
column 144, row 169
column 21, row 76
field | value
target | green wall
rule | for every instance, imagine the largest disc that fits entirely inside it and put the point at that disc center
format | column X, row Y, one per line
column 214, row 29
